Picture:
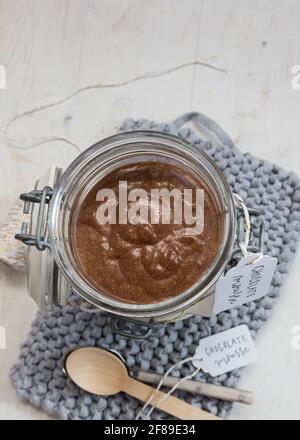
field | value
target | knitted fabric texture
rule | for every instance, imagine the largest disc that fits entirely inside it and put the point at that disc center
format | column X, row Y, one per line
column 38, row 374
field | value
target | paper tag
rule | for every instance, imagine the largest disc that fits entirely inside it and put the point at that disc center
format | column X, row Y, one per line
column 249, row 280
column 225, row 351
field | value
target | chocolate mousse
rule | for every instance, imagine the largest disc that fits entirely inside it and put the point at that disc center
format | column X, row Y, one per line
column 150, row 260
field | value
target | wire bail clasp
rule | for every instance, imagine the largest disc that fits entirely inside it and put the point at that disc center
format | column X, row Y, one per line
column 250, row 230
column 39, row 238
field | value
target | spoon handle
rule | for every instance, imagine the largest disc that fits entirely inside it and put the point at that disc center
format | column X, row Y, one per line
column 197, row 387
column 170, row 405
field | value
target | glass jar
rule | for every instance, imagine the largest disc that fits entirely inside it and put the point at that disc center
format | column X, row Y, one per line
column 59, row 196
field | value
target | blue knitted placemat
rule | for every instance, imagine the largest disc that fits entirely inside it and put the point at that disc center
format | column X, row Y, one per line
column 38, row 375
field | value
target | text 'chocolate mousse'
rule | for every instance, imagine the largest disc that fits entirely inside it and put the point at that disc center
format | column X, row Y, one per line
column 146, row 261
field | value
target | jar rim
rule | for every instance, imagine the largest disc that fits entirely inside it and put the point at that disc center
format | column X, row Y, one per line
column 105, row 152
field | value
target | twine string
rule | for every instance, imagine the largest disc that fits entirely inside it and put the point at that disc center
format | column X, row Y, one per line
column 147, row 415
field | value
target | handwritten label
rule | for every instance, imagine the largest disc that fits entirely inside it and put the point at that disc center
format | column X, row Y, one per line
column 225, row 351
column 248, row 281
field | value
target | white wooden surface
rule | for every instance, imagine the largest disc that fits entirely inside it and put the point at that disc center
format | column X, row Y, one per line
column 87, row 65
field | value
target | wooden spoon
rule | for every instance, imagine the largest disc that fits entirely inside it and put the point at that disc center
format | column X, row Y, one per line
column 102, row 372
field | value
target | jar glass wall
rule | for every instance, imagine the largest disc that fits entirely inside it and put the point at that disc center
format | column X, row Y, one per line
column 101, row 159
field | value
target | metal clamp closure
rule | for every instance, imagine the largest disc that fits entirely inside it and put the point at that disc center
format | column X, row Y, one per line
column 39, row 238
column 134, row 329
column 256, row 233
